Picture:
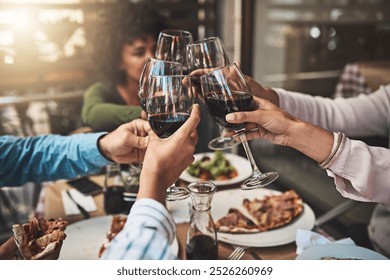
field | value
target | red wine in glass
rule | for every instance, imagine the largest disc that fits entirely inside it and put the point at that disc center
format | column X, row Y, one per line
column 169, row 106
column 220, row 105
column 228, row 91
column 113, row 200
column 209, row 53
column 164, row 125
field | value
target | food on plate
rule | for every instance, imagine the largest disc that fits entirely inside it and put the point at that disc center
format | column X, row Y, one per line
column 117, row 224
column 217, row 168
column 40, row 238
column 259, row 215
column 235, row 221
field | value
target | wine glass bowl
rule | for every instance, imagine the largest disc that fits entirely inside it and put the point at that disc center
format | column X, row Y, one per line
column 206, row 53
column 209, row 53
column 226, row 91
column 155, row 67
column 172, row 45
column 168, row 106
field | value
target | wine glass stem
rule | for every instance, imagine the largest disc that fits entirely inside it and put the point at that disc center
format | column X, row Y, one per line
column 221, row 131
column 248, row 152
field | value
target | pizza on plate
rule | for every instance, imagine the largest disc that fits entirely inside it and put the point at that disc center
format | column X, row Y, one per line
column 40, row 238
column 259, row 215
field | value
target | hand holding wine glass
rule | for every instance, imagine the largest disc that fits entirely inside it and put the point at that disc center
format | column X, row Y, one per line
column 227, row 91
column 169, row 106
column 177, row 150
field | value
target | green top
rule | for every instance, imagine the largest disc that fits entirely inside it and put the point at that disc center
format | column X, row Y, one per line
column 104, row 109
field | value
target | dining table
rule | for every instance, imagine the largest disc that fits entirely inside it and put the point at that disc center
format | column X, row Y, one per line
column 53, row 208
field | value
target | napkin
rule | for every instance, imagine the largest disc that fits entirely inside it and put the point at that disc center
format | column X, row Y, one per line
column 306, row 238
column 180, row 210
column 86, row 201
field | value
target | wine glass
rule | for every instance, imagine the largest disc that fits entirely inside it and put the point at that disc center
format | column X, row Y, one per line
column 172, row 46
column 168, row 106
column 155, row 67
column 209, row 53
column 226, row 91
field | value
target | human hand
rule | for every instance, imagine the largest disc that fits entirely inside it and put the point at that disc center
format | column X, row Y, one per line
column 126, row 144
column 196, row 84
column 272, row 122
column 144, row 115
column 262, row 92
column 166, row 159
column 281, row 128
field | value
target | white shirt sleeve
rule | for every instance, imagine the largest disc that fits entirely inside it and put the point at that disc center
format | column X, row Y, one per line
column 361, row 172
column 147, row 235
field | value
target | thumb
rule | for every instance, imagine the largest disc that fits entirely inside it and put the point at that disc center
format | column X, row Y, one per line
column 251, row 116
column 193, row 121
column 152, row 135
column 138, row 142
column 241, row 117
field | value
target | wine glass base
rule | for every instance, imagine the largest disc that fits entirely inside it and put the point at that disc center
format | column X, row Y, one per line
column 222, row 143
column 174, row 193
column 258, row 180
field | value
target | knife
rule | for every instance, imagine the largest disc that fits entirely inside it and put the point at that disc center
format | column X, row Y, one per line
column 255, row 255
column 82, row 210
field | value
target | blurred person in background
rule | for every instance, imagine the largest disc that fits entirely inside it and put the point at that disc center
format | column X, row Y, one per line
column 121, row 47
column 309, row 124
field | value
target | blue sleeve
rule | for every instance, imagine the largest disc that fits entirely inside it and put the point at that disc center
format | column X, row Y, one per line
column 49, row 157
column 147, row 235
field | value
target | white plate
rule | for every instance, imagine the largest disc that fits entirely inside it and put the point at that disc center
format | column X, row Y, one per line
column 339, row 251
column 223, row 200
column 85, row 238
column 241, row 164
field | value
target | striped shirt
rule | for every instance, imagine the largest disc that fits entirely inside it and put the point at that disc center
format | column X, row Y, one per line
column 147, row 235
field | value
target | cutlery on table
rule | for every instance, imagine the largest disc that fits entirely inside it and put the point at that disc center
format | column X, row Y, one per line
column 255, row 255
column 237, row 253
column 82, row 210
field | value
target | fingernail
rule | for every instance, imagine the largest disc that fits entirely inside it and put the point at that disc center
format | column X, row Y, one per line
column 230, row 117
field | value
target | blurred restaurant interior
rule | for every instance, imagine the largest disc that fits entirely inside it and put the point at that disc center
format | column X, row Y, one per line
column 300, row 45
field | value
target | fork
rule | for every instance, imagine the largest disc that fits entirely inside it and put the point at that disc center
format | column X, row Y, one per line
column 237, row 253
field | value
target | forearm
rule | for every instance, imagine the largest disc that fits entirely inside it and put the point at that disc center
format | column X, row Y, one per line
column 149, row 185
column 313, row 141
column 148, row 233
column 365, row 115
column 360, row 171
column 50, row 157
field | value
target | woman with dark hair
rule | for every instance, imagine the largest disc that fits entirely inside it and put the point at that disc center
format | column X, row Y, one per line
column 122, row 45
